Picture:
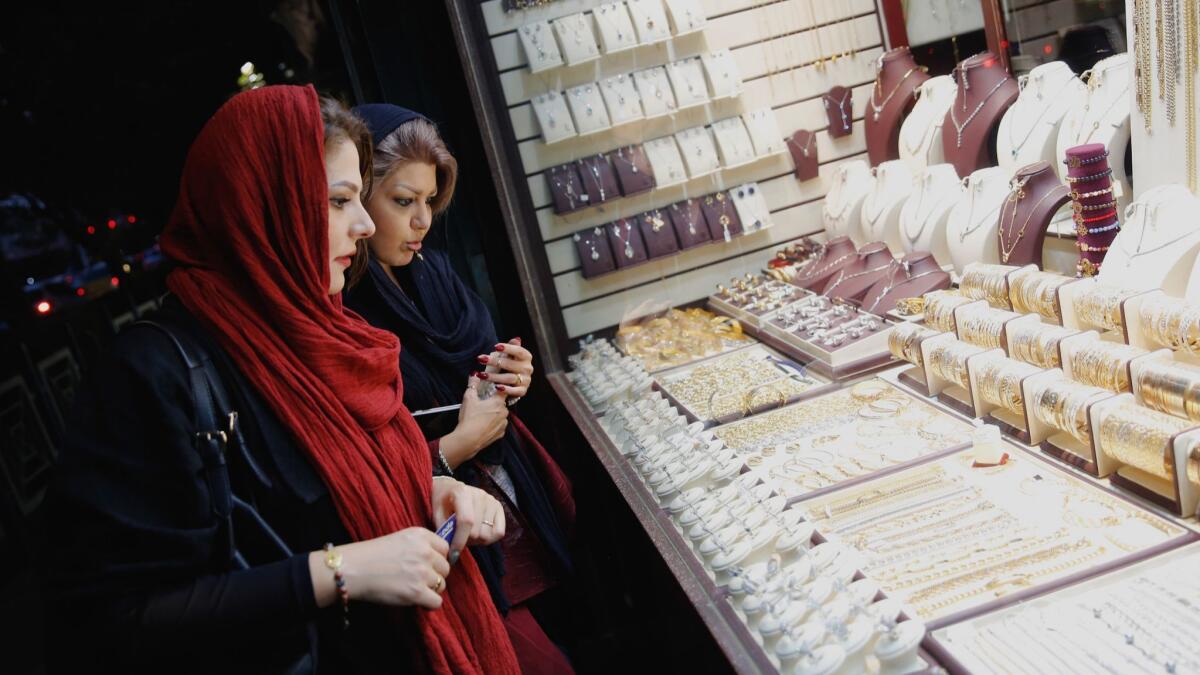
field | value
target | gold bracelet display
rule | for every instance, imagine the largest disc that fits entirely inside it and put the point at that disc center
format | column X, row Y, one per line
column 910, row 306
column 732, row 383
column 1140, row 437
column 1100, row 305
column 1063, row 404
column 999, row 381
column 1104, row 364
column 1171, row 387
column 905, row 342
column 939, row 309
column 1172, row 322
column 1036, row 343
column 982, row 326
column 1037, row 293
column 948, row 361
column 987, row 282
column 679, row 337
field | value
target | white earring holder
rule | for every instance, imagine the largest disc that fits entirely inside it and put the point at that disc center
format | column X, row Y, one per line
column 897, row 649
column 622, row 99
column 687, row 16
column 615, row 27
column 922, row 221
column 588, row 109
column 1157, row 246
column 553, row 117
column 920, row 140
column 973, row 222
column 1083, row 125
column 763, row 126
column 655, row 89
column 842, row 207
column 649, row 20
column 541, row 48
column 733, row 142
column 724, row 80
column 1029, row 130
column 666, row 162
column 698, row 150
column 576, row 38
column 688, row 83
column 882, row 205
column 751, row 207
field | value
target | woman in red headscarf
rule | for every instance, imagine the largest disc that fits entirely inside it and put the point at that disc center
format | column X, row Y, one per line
column 296, row 536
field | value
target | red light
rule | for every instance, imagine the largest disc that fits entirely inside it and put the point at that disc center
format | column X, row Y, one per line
column 80, row 292
column 1004, row 44
column 43, row 307
column 91, row 229
column 131, row 219
column 1046, row 49
column 112, row 224
column 115, row 282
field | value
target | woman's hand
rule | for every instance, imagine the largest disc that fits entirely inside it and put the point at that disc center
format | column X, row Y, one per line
column 408, row 567
column 480, row 423
column 479, row 517
column 516, row 368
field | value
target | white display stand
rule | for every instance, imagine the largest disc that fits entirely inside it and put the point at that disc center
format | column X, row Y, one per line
column 576, row 38
column 921, row 132
column 1180, row 494
column 1029, row 130
column 881, row 207
column 1157, row 244
column 973, row 221
column 1103, row 117
column 541, row 49
column 843, row 204
column 922, row 222
column 615, row 27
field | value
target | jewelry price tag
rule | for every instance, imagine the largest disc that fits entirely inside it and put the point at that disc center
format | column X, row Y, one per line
column 621, row 96
column 724, row 80
column 616, row 27
column 553, row 117
column 699, row 152
column 687, row 79
column 541, row 50
column 655, row 89
column 587, row 107
column 577, row 39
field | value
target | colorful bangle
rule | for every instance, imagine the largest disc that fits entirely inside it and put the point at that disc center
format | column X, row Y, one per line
column 1086, row 195
column 1080, row 220
column 333, row 560
column 1091, row 249
column 1087, row 268
column 1083, row 230
column 1076, row 162
column 1087, row 179
column 1079, row 208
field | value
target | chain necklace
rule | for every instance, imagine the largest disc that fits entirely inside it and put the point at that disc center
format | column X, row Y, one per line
column 845, row 203
column 1138, row 252
column 1012, row 144
column 958, row 128
column 842, row 276
column 903, row 280
column 878, row 108
column 803, row 148
column 841, row 108
column 968, row 231
column 1094, row 86
column 628, row 239
column 1019, row 194
column 926, row 137
column 924, row 221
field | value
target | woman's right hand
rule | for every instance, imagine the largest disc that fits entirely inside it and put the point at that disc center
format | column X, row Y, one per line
column 480, row 423
column 408, row 567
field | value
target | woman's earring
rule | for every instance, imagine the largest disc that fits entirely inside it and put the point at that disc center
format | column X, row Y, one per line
column 420, row 257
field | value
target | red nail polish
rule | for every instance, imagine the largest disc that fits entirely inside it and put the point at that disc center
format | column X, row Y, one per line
column 500, row 347
column 482, row 376
column 482, row 359
column 500, row 388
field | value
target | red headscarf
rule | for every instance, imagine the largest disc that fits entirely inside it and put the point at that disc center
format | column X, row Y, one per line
column 250, row 233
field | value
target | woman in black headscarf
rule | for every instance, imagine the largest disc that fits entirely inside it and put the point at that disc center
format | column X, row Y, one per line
column 450, row 341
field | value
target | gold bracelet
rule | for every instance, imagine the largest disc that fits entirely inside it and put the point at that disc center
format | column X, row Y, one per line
column 1053, row 399
column 999, row 382
column 982, row 326
column 1139, row 437
column 987, row 282
column 1037, row 293
column 1104, row 364
column 939, row 309
column 1172, row 322
column 904, row 342
column 948, row 360
column 1101, row 305
column 1171, row 387
column 1036, row 344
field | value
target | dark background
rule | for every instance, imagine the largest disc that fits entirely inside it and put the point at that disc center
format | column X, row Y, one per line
column 98, row 104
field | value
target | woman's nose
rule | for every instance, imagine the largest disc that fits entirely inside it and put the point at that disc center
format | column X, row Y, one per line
column 364, row 228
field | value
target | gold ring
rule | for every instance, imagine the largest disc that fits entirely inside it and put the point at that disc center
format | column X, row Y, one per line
column 437, row 588
column 489, row 523
column 519, row 380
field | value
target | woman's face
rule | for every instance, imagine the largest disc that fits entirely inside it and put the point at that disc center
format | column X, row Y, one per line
column 401, row 207
column 348, row 218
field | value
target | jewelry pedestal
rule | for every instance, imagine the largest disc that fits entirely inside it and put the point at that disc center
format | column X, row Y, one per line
column 1157, row 245
column 897, row 649
column 920, row 138
column 923, row 218
column 1029, row 131
column 1178, row 494
column 896, row 82
column 985, row 92
column 973, row 221
column 1056, row 443
column 948, row 393
column 1103, row 117
column 1011, row 423
column 1068, row 297
column 880, row 217
column 1037, row 197
column 841, row 212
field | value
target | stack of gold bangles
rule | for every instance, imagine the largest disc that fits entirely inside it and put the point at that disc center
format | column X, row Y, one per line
column 948, row 360
column 939, row 309
column 905, row 342
column 1172, row 322
column 1142, row 438
column 1037, row 293
column 987, row 282
column 999, row 381
column 679, row 337
column 1101, row 306
column 910, row 306
column 982, row 326
column 1104, row 364
column 1063, row 404
column 1171, row 387
column 1036, row 343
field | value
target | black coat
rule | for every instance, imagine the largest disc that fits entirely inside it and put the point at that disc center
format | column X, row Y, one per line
column 139, row 573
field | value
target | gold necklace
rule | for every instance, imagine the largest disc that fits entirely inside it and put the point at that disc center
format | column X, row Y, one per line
column 1007, row 251
column 878, row 108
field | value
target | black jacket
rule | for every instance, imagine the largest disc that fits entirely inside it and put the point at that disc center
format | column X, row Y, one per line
column 140, row 574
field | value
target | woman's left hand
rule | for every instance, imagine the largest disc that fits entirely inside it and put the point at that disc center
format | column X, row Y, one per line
column 479, row 518
column 516, row 369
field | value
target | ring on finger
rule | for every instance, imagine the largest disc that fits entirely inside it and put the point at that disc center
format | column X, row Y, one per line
column 520, row 381
column 488, row 523
column 437, row 587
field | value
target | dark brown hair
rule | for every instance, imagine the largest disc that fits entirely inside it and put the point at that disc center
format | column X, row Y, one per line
column 343, row 125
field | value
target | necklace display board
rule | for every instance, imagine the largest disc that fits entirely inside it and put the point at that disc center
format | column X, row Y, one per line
column 874, row 264
column 1157, row 244
column 892, row 97
column 1036, row 196
column 880, row 218
column 919, row 273
column 1029, row 130
column 838, row 254
column 1103, row 118
column 985, row 92
column 972, row 223
column 922, row 223
column 842, row 211
column 920, row 138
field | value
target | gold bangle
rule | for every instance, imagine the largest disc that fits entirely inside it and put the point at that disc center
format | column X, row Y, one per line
column 1104, row 364
column 982, row 326
column 1036, row 292
column 987, row 282
column 1101, row 305
column 1172, row 322
column 904, row 342
column 939, row 309
column 1063, row 404
column 1139, row 437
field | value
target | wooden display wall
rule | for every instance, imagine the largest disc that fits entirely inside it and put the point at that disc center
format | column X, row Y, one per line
column 775, row 45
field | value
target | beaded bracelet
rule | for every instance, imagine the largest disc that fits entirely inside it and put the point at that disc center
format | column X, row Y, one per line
column 1083, row 230
column 1086, row 195
column 1076, row 162
column 333, row 560
column 1079, row 219
column 1087, row 179
column 1091, row 249
column 1087, row 268
column 1093, row 207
